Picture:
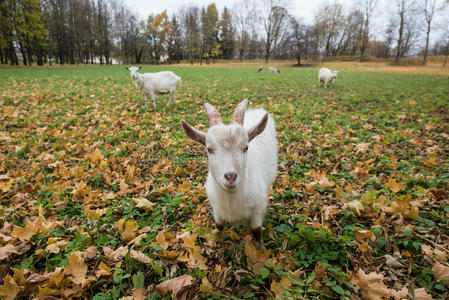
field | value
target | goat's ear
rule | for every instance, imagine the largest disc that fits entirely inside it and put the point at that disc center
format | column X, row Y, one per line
column 194, row 134
column 259, row 128
column 140, row 67
column 127, row 68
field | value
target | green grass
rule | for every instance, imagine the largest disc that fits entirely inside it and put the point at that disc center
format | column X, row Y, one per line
column 52, row 119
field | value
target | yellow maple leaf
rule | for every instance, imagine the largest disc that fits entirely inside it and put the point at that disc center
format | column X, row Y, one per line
column 395, row 186
column 103, row 270
column 144, row 204
column 194, row 259
column 76, row 267
column 128, row 229
column 9, row 290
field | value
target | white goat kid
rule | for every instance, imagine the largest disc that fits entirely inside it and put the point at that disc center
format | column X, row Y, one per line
column 242, row 160
column 155, row 83
column 274, row 70
column 327, row 76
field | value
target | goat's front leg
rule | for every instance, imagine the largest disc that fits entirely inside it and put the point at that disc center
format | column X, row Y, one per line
column 154, row 99
column 256, row 227
column 169, row 99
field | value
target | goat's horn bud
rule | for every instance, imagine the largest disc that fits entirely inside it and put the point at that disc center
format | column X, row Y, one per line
column 212, row 114
column 239, row 113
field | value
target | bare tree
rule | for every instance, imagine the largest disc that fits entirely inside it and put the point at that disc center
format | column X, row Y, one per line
column 428, row 10
column 245, row 21
column 299, row 34
column 367, row 8
column 405, row 10
column 274, row 18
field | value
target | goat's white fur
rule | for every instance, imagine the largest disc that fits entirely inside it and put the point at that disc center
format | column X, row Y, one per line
column 274, row 70
column 327, row 76
column 256, row 168
column 155, row 83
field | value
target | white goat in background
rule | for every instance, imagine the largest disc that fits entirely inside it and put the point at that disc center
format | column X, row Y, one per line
column 155, row 83
column 274, row 70
column 242, row 159
column 327, row 76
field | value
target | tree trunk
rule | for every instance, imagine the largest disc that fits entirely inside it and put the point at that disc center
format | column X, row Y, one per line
column 399, row 45
column 445, row 60
column 424, row 61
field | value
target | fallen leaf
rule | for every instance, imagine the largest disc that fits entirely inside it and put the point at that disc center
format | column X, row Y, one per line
column 320, row 178
column 144, row 204
column 76, row 267
column 180, row 288
column 6, row 250
column 194, row 259
column 421, row 294
column 256, row 258
column 356, row 206
column 115, row 254
column 128, row 229
column 9, row 290
column 371, row 285
column 440, row 272
column 56, row 247
column 140, row 256
column 392, row 262
column 103, row 270
column 395, row 186
column 205, row 286
column 278, row 288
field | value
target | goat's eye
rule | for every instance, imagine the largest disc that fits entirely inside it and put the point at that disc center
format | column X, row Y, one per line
column 245, row 149
column 210, row 150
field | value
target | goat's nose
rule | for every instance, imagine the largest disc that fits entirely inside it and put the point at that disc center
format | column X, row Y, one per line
column 230, row 176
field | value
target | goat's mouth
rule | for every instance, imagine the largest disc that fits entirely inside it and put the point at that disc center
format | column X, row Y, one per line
column 230, row 186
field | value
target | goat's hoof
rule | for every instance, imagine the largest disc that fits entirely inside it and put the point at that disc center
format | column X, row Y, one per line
column 219, row 226
column 257, row 234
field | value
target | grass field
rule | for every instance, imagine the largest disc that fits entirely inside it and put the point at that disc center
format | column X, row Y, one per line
column 103, row 197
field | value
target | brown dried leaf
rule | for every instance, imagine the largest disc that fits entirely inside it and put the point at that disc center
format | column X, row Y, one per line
column 140, row 256
column 179, row 287
column 371, row 285
column 440, row 271
column 256, row 258
column 6, row 250
column 356, row 206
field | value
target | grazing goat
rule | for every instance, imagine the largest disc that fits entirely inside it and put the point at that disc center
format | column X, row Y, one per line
column 155, row 83
column 260, row 69
column 242, row 159
column 327, row 76
column 274, row 70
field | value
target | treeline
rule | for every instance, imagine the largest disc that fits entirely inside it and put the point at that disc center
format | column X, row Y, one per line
column 106, row 31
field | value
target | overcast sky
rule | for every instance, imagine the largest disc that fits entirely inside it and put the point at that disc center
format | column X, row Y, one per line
column 305, row 9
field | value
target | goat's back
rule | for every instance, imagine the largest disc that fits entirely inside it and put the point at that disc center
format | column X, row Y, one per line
column 163, row 80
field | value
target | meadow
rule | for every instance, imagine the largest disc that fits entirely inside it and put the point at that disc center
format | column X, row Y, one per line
column 102, row 196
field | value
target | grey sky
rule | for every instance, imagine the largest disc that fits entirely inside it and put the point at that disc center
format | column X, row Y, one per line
column 305, row 9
